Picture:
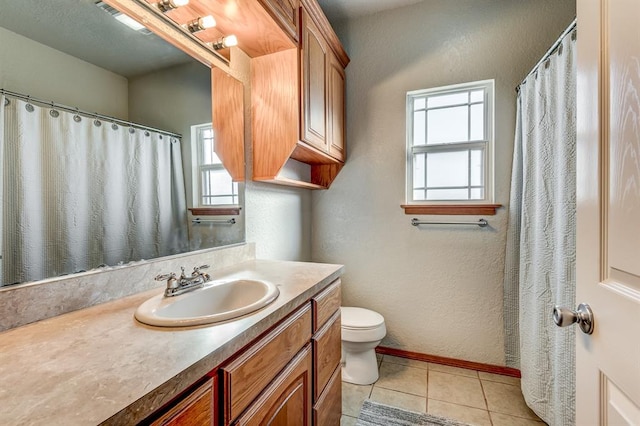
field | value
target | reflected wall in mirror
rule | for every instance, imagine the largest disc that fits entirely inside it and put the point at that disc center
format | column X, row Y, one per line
column 74, row 53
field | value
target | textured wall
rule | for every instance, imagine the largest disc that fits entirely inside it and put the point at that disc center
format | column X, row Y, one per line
column 40, row 71
column 439, row 288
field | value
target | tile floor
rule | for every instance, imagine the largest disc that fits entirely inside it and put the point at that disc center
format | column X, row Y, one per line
column 469, row 396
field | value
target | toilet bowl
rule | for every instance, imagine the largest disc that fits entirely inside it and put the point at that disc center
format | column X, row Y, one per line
column 362, row 331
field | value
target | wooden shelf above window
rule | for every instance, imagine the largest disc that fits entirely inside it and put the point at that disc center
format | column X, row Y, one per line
column 215, row 211
column 451, row 209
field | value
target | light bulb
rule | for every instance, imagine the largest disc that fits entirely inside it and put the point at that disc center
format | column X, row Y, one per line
column 167, row 5
column 201, row 23
column 224, row 42
column 230, row 40
column 207, row 22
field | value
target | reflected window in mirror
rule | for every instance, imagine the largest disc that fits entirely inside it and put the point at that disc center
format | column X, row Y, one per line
column 216, row 186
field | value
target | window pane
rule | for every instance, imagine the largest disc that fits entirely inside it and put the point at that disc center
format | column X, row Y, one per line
column 418, row 194
column 477, row 167
column 448, row 125
column 447, row 194
column 209, row 155
column 419, row 128
column 477, row 95
column 447, row 169
column 477, row 122
column 446, row 100
column 477, row 194
column 418, row 171
column 419, row 103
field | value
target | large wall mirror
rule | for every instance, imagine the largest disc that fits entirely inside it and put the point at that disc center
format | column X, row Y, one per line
column 130, row 171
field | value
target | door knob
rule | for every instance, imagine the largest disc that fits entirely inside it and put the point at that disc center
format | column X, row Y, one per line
column 564, row 317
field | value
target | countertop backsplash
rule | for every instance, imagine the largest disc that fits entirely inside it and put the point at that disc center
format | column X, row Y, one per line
column 30, row 302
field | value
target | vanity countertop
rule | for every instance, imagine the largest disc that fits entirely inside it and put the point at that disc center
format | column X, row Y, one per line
column 99, row 365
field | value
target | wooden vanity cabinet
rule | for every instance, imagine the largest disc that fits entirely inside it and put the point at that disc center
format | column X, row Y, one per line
column 246, row 377
column 326, row 342
column 289, row 376
column 196, row 408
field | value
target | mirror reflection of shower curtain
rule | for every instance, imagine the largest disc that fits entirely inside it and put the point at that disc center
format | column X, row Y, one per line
column 541, row 237
column 79, row 193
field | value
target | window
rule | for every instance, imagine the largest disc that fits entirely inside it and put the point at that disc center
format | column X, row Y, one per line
column 450, row 144
column 211, row 182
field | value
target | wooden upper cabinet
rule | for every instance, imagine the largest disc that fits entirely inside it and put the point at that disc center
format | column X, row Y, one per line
column 314, row 85
column 287, row 15
column 336, row 82
column 227, row 99
column 297, row 103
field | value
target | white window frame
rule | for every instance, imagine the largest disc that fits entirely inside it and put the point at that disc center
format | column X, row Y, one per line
column 198, row 167
column 487, row 143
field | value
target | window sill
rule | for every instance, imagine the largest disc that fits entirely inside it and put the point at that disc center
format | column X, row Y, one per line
column 451, row 209
column 215, row 211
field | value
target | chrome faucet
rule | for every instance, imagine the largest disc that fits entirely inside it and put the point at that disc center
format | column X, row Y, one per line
column 182, row 284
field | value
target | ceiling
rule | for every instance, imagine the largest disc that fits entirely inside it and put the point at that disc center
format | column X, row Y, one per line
column 337, row 10
column 80, row 29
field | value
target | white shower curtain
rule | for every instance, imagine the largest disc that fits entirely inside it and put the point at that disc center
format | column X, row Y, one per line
column 540, row 253
column 79, row 193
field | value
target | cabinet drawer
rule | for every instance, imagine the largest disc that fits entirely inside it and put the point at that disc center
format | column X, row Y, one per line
column 326, row 352
column 195, row 409
column 328, row 409
column 245, row 377
column 286, row 14
column 287, row 401
column 325, row 304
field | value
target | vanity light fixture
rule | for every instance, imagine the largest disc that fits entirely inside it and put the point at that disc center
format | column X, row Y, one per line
column 201, row 24
column 224, row 42
column 167, row 5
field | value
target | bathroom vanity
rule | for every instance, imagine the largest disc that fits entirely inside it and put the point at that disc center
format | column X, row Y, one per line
column 100, row 366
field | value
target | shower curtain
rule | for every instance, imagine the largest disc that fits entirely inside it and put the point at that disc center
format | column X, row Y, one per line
column 80, row 192
column 540, row 251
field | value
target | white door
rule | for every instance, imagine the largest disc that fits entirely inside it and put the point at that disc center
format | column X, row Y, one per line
column 608, row 199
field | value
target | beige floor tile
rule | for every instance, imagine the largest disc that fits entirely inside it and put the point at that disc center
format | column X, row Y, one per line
column 352, row 398
column 473, row 416
column 347, row 421
column 405, row 361
column 499, row 378
column 398, row 399
column 453, row 370
column 499, row 419
column 456, row 389
column 506, row 399
column 403, row 379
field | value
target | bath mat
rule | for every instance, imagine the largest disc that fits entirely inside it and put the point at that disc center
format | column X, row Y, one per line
column 376, row 414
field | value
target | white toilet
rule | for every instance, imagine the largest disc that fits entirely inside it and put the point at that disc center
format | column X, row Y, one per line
column 362, row 331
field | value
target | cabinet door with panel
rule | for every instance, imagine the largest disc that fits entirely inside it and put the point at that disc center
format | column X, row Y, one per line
column 194, row 409
column 336, row 108
column 314, row 78
column 287, row 400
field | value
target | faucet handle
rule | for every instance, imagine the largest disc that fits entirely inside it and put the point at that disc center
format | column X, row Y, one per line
column 165, row 277
column 198, row 268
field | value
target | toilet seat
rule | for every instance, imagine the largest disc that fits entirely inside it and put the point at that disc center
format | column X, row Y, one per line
column 361, row 325
column 360, row 318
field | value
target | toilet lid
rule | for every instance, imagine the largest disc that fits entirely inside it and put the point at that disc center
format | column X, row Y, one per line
column 360, row 318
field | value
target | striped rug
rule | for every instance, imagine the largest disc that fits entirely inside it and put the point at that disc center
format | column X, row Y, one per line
column 376, row 414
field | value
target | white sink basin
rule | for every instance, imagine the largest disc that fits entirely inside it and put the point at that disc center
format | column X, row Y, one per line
column 217, row 301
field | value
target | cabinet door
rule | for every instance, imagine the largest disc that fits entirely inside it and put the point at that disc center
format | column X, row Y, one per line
column 287, row 400
column 196, row 409
column 336, row 108
column 314, row 79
